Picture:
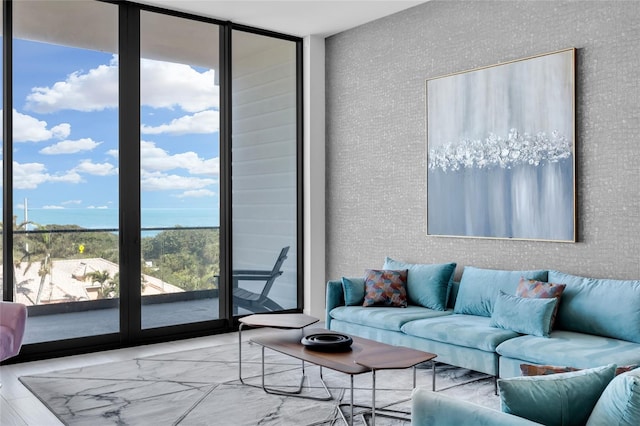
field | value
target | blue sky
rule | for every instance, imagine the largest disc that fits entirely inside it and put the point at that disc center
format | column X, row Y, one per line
column 66, row 131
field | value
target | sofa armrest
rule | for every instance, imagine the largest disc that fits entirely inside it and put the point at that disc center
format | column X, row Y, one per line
column 430, row 408
column 335, row 298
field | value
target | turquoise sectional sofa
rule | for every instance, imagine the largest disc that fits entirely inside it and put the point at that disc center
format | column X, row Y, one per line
column 591, row 397
column 597, row 321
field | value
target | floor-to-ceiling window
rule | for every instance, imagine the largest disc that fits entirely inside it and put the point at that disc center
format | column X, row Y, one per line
column 179, row 168
column 264, row 171
column 65, row 164
column 138, row 205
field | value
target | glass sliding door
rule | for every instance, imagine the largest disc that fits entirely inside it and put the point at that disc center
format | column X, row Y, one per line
column 113, row 189
column 264, row 173
column 65, row 167
column 179, row 170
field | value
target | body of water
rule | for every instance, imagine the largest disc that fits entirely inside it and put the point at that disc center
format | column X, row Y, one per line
column 108, row 218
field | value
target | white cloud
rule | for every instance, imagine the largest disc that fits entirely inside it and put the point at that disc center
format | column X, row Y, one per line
column 91, row 91
column 29, row 129
column 198, row 193
column 28, row 175
column 31, row 175
column 200, row 122
column 98, row 207
column 168, row 84
column 157, row 159
column 64, row 203
column 61, row 131
column 70, row 146
column 67, row 177
column 113, row 153
column 163, row 85
column 163, row 182
column 53, row 207
column 96, row 169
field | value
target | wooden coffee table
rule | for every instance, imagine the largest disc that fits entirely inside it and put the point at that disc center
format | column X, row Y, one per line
column 365, row 356
column 280, row 321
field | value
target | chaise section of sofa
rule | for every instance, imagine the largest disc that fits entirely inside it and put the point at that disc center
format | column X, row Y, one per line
column 593, row 397
column 430, row 408
column 598, row 322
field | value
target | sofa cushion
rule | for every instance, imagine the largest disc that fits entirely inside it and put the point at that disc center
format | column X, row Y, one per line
column 479, row 288
column 577, row 350
column 599, row 306
column 427, row 285
column 353, row 289
column 438, row 409
column 523, row 315
column 385, row 288
column 558, row 399
column 383, row 317
column 462, row 330
column 619, row 403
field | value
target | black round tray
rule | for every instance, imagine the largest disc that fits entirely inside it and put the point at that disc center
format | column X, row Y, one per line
column 327, row 342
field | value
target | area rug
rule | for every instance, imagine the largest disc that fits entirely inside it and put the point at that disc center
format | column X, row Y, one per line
column 202, row 387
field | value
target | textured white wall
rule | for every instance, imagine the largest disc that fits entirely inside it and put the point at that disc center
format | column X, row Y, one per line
column 376, row 132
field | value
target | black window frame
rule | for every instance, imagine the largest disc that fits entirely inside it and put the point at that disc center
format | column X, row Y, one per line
column 131, row 332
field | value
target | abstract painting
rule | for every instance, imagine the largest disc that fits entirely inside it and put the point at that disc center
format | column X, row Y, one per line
column 500, row 150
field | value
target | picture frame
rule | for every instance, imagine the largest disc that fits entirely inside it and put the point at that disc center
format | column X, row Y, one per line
column 501, row 150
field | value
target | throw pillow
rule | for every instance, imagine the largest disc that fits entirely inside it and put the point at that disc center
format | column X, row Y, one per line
column 619, row 403
column 541, row 290
column 523, row 315
column 385, row 288
column 479, row 288
column 427, row 284
column 563, row 399
column 353, row 289
column 541, row 370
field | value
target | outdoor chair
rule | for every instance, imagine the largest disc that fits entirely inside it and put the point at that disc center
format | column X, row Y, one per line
column 258, row 302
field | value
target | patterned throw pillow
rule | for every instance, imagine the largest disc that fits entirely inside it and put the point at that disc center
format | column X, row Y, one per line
column 541, row 290
column 543, row 370
column 384, row 287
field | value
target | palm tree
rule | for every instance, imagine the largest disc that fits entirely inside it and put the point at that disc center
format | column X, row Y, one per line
column 22, row 252
column 108, row 286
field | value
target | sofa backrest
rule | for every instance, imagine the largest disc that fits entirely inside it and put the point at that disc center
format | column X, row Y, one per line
column 479, row 288
column 602, row 307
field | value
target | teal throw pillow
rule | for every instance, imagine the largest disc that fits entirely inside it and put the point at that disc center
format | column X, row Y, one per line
column 564, row 399
column 353, row 289
column 523, row 315
column 427, row 284
column 619, row 403
column 541, row 290
column 480, row 287
column 385, row 288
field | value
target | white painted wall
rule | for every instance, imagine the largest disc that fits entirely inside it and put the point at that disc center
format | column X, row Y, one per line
column 314, row 176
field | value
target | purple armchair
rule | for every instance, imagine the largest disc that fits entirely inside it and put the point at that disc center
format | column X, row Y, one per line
column 13, row 318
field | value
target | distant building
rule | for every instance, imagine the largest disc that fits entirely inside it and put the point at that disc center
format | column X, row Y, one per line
column 70, row 280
